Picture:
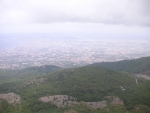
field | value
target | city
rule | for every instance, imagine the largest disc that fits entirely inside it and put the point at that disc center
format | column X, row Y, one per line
column 72, row 52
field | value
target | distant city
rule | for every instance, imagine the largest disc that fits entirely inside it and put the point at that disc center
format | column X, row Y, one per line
column 71, row 52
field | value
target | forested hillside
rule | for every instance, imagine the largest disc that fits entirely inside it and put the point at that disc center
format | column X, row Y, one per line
column 140, row 66
column 12, row 75
column 90, row 86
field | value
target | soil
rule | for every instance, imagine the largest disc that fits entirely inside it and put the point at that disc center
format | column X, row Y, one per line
column 100, row 104
column 11, row 98
column 59, row 100
column 70, row 111
column 143, row 76
column 65, row 100
column 143, row 106
column 116, row 100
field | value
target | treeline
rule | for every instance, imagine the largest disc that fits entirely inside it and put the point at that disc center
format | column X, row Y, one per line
column 13, row 75
column 141, row 65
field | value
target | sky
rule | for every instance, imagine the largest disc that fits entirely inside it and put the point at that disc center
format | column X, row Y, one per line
column 101, row 18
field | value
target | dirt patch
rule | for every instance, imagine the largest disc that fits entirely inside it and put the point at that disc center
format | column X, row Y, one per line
column 142, row 106
column 11, row 98
column 115, row 100
column 70, row 111
column 143, row 76
column 100, row 104
column 64, row 100
column 59, row 100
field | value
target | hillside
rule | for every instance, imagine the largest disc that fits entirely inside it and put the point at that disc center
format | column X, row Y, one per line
column 80, row 90
column 38, row 70
column 7, row 75
column 139, row 66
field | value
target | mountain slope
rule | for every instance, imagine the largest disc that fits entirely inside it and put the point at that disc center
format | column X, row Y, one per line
column 6, row 75
column 140, row 66
column 89, row 84
column 37, row 70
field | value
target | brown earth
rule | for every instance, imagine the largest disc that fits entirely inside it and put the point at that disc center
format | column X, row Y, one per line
column 59, row 100
column 142, row 106
column 100, row 104
column 115, row 100
column 70, row 111
column 143, row 76
column 11, row 98
column 64, row 100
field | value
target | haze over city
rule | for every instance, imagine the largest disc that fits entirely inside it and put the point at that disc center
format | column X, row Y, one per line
column 72, row 33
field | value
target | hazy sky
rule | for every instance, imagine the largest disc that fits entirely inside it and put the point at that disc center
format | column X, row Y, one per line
column 104, row 18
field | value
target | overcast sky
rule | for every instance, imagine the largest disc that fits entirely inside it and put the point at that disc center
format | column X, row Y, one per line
column 106, row 18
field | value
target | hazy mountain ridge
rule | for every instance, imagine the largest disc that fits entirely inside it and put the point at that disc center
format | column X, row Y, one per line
column 46, row 69
column 6, row 75
column 139, row 66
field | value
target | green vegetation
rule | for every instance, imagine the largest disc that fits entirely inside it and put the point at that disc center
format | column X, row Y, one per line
column 89, row 84
column 6, row 108
column 13, row 75
column 141, row 65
